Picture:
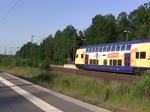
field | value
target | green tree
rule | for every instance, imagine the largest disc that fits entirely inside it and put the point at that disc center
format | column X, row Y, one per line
column 81, row 39
column 68, row 43
column 58, row 47
column 122, row 25
column 28, row 54
column 102, row 30
column 46, row 49
column 140, row 22
column 25, row 51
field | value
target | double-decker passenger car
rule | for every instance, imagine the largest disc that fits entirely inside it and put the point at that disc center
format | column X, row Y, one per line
column 130, row 56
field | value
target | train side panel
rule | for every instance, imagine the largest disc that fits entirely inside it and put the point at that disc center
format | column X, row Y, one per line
column 107, row 61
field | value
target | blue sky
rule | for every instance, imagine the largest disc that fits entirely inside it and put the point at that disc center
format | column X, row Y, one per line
column 43, row 17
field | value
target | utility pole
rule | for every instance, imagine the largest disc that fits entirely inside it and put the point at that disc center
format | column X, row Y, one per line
column 83, row 41
column 5, row 51
column 11, row 48
column 32, row 38
column 127, row 33
column 31, row 47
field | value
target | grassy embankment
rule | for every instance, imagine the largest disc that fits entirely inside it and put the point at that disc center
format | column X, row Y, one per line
column 116, row 96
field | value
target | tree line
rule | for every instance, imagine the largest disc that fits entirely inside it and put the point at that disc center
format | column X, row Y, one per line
column 61, row 47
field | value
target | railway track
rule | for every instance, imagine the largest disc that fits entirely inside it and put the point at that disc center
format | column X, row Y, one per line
column 102, row 75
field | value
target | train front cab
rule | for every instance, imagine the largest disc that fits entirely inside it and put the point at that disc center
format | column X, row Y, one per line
column 80, row 58
column 140, row 57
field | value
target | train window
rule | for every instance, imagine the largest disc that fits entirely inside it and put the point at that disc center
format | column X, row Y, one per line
column 142, row 55
column 82, row 56
column 118, row 48
column 76, row 55
column 100, row 49
column 137, row 55
column 86, row 50
column 108, row 49
column 128, row 47
column 93, row 49
column 104, row 55
column 90, row 49
column 97, row 49
column 104, row 49
column 110, row 62
column 113, row 48
column 119, row 62
column 123, row 48
column 105, row 62
column 90, row 61
column 94, row 61
column 97, row 62
column 114, row 62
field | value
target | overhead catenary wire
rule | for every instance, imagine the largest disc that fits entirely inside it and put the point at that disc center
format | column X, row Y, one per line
column 40, row 39
column 12, row 8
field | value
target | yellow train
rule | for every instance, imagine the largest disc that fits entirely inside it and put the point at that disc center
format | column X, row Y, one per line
column 130, row 56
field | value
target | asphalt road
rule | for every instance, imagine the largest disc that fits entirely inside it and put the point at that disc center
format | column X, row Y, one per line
column 18, row 95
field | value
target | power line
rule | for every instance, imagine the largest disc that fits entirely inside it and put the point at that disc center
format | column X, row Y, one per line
column 39, row 39
column 13, row 7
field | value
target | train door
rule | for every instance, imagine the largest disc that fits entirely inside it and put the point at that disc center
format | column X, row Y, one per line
column 86, row 58
column 127, row 59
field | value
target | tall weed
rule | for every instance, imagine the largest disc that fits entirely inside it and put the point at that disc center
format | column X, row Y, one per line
column 142, row 87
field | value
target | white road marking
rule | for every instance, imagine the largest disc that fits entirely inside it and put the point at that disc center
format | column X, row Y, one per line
column 35, row 100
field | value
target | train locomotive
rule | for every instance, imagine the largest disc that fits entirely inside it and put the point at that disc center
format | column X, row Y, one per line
column 129, row 56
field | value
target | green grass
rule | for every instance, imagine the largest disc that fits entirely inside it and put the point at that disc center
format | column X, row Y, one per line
column 116, row 96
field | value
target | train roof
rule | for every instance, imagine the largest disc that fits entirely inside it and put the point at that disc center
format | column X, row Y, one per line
column 119, row 43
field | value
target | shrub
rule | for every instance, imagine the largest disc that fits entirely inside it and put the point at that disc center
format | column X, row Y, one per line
column 45, row 65
column 7, row 61
column 142, row 87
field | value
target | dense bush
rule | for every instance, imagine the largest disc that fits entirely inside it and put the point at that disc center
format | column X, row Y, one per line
column 16, row 61
column 45, row 65
column 142, row 87
column 7, row 61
